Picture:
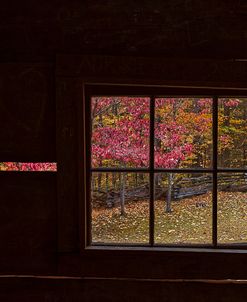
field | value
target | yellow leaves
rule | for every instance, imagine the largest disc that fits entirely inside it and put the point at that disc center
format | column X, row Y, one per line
column 238, row 122
column 3, row 167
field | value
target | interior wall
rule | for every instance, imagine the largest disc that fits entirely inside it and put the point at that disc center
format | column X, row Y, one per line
column 32, row 34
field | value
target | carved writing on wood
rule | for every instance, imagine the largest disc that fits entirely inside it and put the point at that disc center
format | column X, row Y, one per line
column 151, row 68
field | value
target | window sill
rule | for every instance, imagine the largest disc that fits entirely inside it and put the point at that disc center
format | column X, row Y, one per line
column 165, row 249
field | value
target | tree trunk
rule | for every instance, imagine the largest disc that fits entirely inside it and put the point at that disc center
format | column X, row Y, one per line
column 99, row 181
column 157, row 177
column 114, row 181
column 122, row 194
column 141, row 176
column 107, row 190
column 226, row 154
column 169, row 193
column 92, row 183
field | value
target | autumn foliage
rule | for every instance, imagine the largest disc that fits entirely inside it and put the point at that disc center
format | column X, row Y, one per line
column 183, row 132
column 17, row 166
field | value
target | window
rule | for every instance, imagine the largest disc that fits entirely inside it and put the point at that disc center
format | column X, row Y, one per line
column 166, row 168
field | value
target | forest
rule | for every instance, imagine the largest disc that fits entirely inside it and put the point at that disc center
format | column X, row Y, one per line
column 183, row 139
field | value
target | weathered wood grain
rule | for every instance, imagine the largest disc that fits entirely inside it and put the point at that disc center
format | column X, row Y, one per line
column 157, row 71
column 161, row 263
column 181, row 28
column 28, row 222
column 69, row 94
column 27, row 110
column 41, row 289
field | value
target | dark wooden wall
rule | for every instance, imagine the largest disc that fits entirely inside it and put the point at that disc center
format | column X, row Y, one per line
column 174, row 28
column 39, row 229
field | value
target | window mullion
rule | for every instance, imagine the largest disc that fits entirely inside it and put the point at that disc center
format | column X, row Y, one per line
column 215, row 165
column 151, row 167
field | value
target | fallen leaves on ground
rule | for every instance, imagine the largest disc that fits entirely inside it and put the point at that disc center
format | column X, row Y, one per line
column 189, row 222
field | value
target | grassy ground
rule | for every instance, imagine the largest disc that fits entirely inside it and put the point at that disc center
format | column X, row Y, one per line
column 189, row 222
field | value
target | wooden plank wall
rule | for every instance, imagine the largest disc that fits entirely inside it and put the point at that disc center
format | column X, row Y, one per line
column 28, row 213
column 27, row 110
column 39, row 229
column 94, row 290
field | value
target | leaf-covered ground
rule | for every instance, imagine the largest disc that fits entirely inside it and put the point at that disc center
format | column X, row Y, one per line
column 189, row 222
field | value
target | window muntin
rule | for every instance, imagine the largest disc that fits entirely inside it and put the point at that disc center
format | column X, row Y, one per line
column 210, row 166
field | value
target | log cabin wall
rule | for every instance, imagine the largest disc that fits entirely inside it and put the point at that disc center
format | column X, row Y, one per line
column 45, row 48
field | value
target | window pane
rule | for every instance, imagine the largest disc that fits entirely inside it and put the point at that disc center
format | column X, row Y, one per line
column 120, row 207
column 183, row 132
column 17, row 166
column 232, row 208
column 232, row 127
column 120, row 131
column 183, row 208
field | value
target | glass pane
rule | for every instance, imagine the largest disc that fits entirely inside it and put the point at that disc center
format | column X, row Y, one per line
column 183, row 208
column 232, row 208
column 183, row 132
column 120, row 207
column 232, row 127
column 120, row 131
column 17, row 166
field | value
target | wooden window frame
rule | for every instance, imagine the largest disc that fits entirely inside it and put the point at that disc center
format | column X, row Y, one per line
column 153, row 92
